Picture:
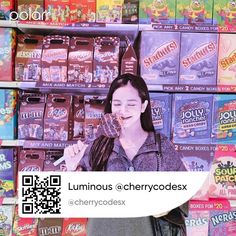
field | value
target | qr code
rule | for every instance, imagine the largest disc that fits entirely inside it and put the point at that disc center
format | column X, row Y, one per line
column 41, row 196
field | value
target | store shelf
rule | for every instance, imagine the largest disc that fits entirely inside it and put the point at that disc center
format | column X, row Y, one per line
column 187, row 28
column 9, row 84
column 11, row 143
column 8, row 200
column 8, row 24
column 47, row 144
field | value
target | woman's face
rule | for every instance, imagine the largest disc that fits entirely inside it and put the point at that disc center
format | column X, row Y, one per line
column 128, row 105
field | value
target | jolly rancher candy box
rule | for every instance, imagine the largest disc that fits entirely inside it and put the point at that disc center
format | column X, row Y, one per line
column 191, row 122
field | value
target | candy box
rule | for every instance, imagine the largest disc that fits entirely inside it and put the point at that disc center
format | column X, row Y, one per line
column 161, row 112
column 129, row 62
column 94, row 107
column 51, row 157
column 224, row 12
column 7, row 53
column 7, row 185
column 8, row 114
column 82, row 11
column 223, row 175
column 79, row 117
column 6, row 220
column 50, row 226
column 30, row 121
column 227, row 60
column 24, row 226
column 197, row 222
column 224, row 119
column 74, row 226
column 31, row 160
column 80, row 60
column 27, row 10
column 109, row 11
column 198, row 58
column 130, row 12
column 58, row 11
column 153, row 11
column 191, row 122
column 197, row 158
column 54, row 58
column 159, row 57
column 6, row 6
column 57, row 119
column 28, row 57
column 106, row 60
column 194, row 11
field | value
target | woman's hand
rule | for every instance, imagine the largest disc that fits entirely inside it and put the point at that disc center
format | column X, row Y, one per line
column 73, row 155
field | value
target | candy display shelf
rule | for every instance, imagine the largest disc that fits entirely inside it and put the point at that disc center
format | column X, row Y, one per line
column 8, row 23
column 11, row 143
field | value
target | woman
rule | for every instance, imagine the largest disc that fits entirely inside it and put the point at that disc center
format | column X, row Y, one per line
column 128, row 98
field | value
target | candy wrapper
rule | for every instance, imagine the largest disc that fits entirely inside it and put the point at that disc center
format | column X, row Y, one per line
column 75, row 227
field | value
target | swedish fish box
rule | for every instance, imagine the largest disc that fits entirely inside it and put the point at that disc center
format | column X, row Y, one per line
column 194, row 11
column 191, row 122
column 224, row 119
column 109, row 11
column 224, row 12
column 157, row 11
column 8, row 116
column 227, row 60
column 159, row 57
column 198, row 58
column 161, row 112
column 6, row 173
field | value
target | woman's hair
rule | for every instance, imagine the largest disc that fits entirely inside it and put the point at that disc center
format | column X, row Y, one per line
column 102, row 146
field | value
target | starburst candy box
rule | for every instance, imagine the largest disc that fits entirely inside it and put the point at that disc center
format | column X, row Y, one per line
column 224, row 119
column 223, row 176
column 224, row 12
column 198, row 58
column 157, row 11
column 161, row 112
column 159, row 57
column 194, row 11
column 6, row 173
column 8, row 115
column 191, row 122
column 227, row 60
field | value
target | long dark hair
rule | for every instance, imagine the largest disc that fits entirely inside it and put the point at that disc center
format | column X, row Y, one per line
column 102, row 146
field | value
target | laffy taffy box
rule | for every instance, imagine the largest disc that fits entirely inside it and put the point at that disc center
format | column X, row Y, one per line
column 194, row 12
column 109, row 11
column 7, row 53
column 227, row 60
column 224, row 12
column 82, row 10
column 28, row 58
column 57, row 118
column 159, row 57
column 80, row 60
column 7, row 185
column 8, row 114
column 153, row 11
column 198, row 58
column 54, row 58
